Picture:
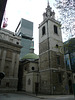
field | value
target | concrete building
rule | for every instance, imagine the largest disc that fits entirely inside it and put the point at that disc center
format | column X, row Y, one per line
column 9, row 59
column 69, row 51
column 69, row 55
column 25, row 29
column 53, row 75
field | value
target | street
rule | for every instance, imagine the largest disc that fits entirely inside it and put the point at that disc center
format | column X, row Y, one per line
column 20, row 96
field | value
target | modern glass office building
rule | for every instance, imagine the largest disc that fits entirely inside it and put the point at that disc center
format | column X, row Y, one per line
column 25, row 30
column 69, row 54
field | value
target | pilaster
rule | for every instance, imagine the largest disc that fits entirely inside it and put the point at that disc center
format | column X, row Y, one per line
column 16, row 66
column 3, row 61
column 12, row 66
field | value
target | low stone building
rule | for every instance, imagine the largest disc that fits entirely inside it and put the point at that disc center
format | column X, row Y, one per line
column 9, row 59
column 29, row 72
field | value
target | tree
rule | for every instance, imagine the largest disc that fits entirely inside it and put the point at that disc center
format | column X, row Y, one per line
column 66, row 10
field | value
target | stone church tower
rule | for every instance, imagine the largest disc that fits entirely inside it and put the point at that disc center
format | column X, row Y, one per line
column 51, row 58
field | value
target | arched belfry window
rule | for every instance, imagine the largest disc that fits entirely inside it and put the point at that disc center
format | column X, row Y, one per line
column 43, row 31
column 32, row 68
column 55, row 29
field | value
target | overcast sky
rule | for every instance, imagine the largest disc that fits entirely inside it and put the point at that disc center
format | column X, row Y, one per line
column 31, row 10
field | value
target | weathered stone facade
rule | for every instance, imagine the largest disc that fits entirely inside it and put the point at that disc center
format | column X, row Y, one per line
column 28, row 73
column 9, row 60
column 52, row 69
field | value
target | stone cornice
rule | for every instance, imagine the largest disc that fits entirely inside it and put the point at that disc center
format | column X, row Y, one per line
column 9, row 45
column 53, row 69
column 51, row 19
column 9, row 33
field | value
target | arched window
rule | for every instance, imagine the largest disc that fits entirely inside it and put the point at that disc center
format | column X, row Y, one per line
column 29, row 81
column 56, row 45
column 32, row 68
column 43, row 30
column 7, row 84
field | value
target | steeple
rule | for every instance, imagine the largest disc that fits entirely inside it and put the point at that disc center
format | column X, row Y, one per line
column 48, row 2
column 49, row 13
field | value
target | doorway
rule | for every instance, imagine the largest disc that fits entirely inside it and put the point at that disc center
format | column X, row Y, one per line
column 70, row 87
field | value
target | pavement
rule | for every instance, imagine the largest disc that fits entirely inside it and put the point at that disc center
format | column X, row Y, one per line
column 27, row 96
column 55, row 97
column 48, row 96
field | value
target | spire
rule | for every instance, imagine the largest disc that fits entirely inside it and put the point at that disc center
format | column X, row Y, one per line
column 49, row 13
column 48, row 2
column 48, row 6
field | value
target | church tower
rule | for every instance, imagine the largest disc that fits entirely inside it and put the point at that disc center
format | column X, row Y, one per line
column 51, row 58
